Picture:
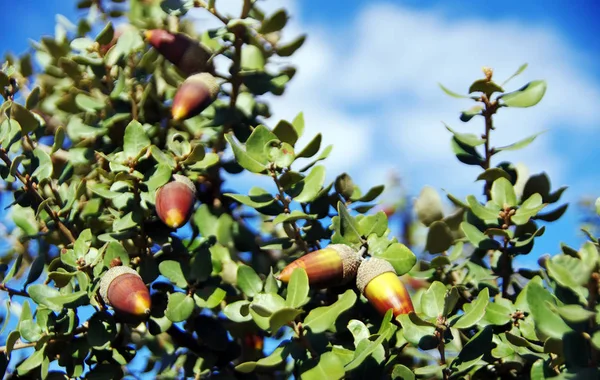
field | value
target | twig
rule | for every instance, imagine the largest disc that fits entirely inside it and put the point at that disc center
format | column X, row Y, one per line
column 30, row 187
column 20, row 344
column 285, row 201
column 13, row 292
column 299, row 330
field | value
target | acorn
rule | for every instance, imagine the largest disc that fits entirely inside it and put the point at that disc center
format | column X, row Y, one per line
column 194, row 95
column 123, row 289
column 377, row 280
column 331, row 266
column 175, row 201
column 188, row 55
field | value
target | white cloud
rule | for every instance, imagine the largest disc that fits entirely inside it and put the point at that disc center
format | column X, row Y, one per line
column 370, row 88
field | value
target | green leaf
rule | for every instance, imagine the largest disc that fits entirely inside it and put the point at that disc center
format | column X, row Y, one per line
column 248, row 281
column 243, row 158
column 568, row 271
column 106, row 34
column 365, row 349
column 485, row 86
column 575, row 313
column 596, row 340
column 42, row 295
column 527, row 96
column 519, row 144
column 276, row 358
column 311, row 185
column 26, row 120
column 402, row 372
column 432, row 301
column 452, row 93
column 400, row 256
column 238, row 311
column 88, row 104
column 44, row 168
column 348, row 226
column 528, row 209
column 33, row 98
column 32, row 362
column 11, row 339
column 262, row 199
column 329, row 367
column 252, row 58
column 282, row 317
column 439, row 237
column 298, row 124
column 286, row 132
column 467, row 115
column 297, row 290
column 135, row 139
column 275, row 22
column 485, row 213
column 548, row 322
column 358, row 330
column 59, row 138
column 519, row 71
column 291, row 217
column 417, row 331
column 324, row 317
column 450, row 300
column 280, row 153
column 179, row 307
column 428, row 206
column 311, row 148
column 172, row 270
column 469, row 139
column 36, row 269
column 475, row 312
column 290, row 48
column 373, row 193
column 503, row 193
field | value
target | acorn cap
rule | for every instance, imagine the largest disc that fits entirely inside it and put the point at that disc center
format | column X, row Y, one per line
column 369, row 269
column 350, row 259
column 186, row 181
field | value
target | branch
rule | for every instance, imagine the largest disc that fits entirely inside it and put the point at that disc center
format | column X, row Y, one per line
column 30, row 187
column 20, row 344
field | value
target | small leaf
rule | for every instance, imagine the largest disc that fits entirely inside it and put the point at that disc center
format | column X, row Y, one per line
column 172, row 270
column 238, row 311
column 432, row 301
column 248, row 281
column 323, row 318
column 549, row 323
column 297, row 290
column 59, row 138
column 475, row 313
column 469, row 139
column 348, row 226
column 400, row 256
column 519, row 144
column 311, row 185
column 439, row 237
column 428, row 206
column 135, row 139
column 291, row 47
column 575, row 313
column 467, row 115
column 282, row 317
column 311, row 148
column 485, row 213
column 485, row 86
column 452, row 93
column 33, row 98
column 519, row 71
column 179, row 307
column 527, row 96
column 26, row 120
column 243, row 158
column 503, row 193
column 275, row 22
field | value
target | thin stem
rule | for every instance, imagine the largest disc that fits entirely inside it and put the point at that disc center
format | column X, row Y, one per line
column 20, row 344
column 13, row 292
column 285, row 201
column 442, row 350
column 488, row 112
column 299, row 330
column 30, row 187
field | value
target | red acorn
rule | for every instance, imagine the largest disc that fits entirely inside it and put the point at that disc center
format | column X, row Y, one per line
column 377, row 280
column 333, row 265
column 175, row 201
column 194, row 95
column 188, row 55
column 123, row 289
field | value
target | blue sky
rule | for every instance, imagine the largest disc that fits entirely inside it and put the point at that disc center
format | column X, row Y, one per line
column 368, row 81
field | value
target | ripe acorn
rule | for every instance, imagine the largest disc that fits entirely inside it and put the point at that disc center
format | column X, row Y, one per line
column 175, row 201
column 194, row 95
column 188, row 55
column 123, row 289
column 331, row 266
column 377, row 280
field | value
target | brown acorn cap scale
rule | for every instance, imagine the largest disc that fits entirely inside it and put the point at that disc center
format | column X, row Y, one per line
column 370, row 269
